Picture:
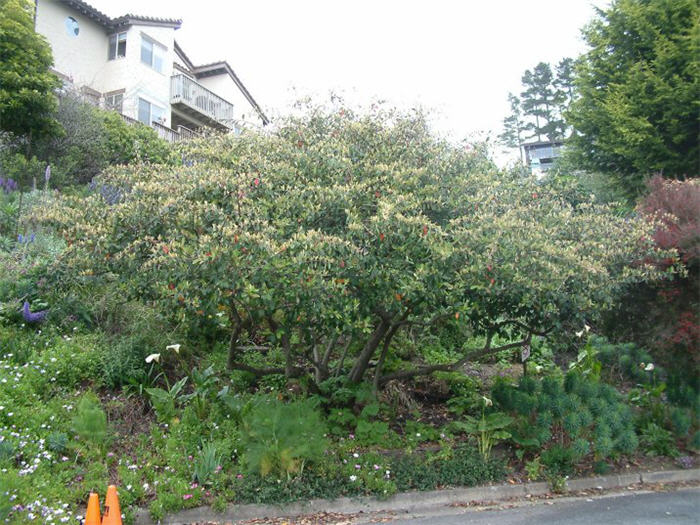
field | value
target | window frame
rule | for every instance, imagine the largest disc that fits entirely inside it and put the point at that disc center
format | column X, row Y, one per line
column 151, row 105
column 117, row 41
column 158, row 50
column 110, row 101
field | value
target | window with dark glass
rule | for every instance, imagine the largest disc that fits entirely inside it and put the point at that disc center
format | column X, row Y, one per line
column 117, row 45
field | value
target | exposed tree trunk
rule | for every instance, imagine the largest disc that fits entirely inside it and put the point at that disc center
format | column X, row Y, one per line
column 341, row 361
column 362, row 361
column 487, row 349
column 387, row 342
column 239, row 325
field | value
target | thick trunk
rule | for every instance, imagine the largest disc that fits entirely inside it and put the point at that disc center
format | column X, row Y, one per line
column 238, row 325
column 358, row 371
column 380, row 364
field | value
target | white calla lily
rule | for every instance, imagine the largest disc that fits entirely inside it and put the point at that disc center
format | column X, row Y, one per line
column 175, row 348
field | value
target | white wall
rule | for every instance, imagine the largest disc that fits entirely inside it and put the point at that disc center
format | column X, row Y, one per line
column 225, row 87
column 82, row 58
column 140, row 80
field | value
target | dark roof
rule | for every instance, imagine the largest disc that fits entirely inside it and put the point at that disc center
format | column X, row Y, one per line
column 543, row 143
column 119, row 22
column 221, row 68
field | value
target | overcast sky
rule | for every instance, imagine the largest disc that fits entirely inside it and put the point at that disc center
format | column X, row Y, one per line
column 460, row 58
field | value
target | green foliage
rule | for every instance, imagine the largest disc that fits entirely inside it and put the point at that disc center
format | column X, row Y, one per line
column 57, row 442
column 464, row 467
column 164, row 401
column 207, row 463
column 488, row 430
column 587, row 363
column 657, row 441
column 366, row 224
column 636, row 112
column 94, row 139
column 625, row 361
column 204, row 384
column 575, row 415
column 533, row 468
column 27, row 85
column 90, row 421
column 280, row 438
column 681, row 421
column 374, row 433
column 559, row 460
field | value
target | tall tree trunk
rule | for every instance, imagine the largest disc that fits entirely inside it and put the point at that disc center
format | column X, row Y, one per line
column 380, row 364
column 358, row 371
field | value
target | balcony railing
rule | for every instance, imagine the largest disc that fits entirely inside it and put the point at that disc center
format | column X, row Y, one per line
column 164, row 132
column 184, row 90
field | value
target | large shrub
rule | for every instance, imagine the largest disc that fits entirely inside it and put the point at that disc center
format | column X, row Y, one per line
column 664, row 316
column 318, row 242
column 90, row 140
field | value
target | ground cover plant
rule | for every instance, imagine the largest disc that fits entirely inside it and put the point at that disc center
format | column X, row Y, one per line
column 256, row 323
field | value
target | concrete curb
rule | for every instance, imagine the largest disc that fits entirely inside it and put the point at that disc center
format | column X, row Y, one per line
column 407, row 502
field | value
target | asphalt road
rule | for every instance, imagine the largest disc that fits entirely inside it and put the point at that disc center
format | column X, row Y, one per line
column 680, row 506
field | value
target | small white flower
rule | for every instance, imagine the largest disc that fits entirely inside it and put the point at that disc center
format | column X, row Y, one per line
column 487, row 401
column 587, row 328
column 353, row 477
column 579, row 334
column 153, row 357
column 175, row 348
column 649, row 367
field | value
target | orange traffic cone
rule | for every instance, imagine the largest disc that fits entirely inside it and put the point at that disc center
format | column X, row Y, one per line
column 92, row 517
column 113, row 515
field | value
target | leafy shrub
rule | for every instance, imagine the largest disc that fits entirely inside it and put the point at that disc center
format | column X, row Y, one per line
column 559, row 460
column 574, row 416
column 57, row 442
column 378, row 213
column 207, row 463
column 627, row 360
column 90, row 421
column 664, row 316
column 94, row 139
column 488, row 430
column 281, row 438
column 165, row 400
column 463, row 467
column 657, row 441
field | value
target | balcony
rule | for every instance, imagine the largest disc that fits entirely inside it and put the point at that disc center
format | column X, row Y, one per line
column 194, row 101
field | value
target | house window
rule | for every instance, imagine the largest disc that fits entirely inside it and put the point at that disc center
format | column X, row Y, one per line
column 152, row 54
column 150, row 112
column 72, row 26
column 117, row 46
column 114, row 102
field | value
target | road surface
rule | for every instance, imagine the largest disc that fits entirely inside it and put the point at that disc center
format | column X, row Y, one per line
column 676, row 507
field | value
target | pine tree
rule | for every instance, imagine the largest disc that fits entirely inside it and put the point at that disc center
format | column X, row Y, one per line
column 513, row 126
column 564, row 94
column 540, row 102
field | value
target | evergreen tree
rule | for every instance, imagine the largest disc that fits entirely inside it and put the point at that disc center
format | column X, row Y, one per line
column 27, row 100
column 564, row 94
column 513, row 126
column 539, row 101
column 638, row 89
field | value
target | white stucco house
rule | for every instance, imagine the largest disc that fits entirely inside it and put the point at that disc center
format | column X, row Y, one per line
column 133, row 65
